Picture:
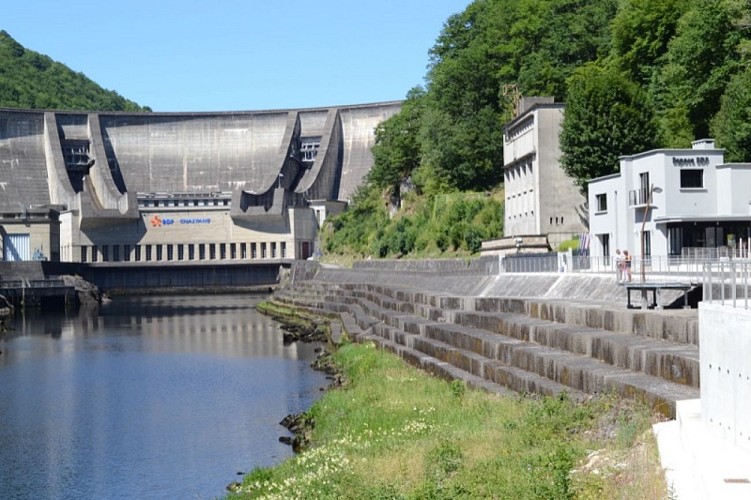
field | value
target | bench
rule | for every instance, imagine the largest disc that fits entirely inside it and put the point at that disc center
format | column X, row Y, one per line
column 655, row 289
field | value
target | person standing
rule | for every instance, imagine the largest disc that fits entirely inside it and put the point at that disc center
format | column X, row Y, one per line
column 618, row 261
column 627, row 266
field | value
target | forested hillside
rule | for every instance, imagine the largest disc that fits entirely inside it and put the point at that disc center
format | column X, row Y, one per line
column 634, row 74
column 32, row 80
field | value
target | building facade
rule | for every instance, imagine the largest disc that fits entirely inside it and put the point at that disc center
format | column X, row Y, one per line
column 178, row 187
column 674, row 202
column 540, row 198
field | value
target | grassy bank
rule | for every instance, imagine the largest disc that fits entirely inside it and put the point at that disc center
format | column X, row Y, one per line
column 393, row 431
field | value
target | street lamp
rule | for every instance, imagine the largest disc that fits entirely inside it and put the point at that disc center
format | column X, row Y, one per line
column 647, row 206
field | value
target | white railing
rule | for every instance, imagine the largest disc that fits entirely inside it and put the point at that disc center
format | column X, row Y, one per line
column 663, row 269
column 716, row 253
column 727, row 282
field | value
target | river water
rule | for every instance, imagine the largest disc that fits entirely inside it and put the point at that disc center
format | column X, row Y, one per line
column 152, row 397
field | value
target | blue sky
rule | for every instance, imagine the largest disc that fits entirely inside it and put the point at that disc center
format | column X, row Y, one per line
column 222, row 55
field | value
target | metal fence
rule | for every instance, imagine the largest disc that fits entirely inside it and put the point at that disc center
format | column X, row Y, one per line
column 662, row 269
column 727, row 282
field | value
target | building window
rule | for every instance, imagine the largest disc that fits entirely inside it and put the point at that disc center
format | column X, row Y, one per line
column 202, row 251
column 159, row 252
column 212, row 251
column 94, row 253
column 84, row 252
column 647, row 243
column 284, row 250
column 138, row 253
column 243, row 250
column 105, row 253
column 253, row 251
column 602, row 202
column 273, row 250
column 116, row 253
column 692, row 178
column 232, row 251
column 605, row 242
column 180, row 252
column 191, row 252
column 126, row 253
column 263, row 250
column 148, row 252
column 222, row 251
column 170, row 252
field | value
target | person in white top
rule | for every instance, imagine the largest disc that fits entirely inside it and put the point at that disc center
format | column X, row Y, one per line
column 619, row 264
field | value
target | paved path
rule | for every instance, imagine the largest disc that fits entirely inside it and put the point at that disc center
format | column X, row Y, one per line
column 697, row 464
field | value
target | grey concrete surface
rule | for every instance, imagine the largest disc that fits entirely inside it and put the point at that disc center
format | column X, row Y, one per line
column 528, row 345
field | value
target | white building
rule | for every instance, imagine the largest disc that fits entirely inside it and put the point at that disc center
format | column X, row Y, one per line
column 540, row 198
column 687, row 202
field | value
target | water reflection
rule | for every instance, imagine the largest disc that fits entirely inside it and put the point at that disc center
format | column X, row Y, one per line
column 153, row 397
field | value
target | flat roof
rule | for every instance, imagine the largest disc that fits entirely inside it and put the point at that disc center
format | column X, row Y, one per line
column 703, row 218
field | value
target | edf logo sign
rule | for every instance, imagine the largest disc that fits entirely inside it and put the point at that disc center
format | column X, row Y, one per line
column 158, row 221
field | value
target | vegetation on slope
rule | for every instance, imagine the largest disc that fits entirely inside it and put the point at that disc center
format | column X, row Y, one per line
column 441, row 225
column 393, row 431
column 34, row 81
column 634, row 74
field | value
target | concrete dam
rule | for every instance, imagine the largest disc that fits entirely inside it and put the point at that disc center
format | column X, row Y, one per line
column 178, row 190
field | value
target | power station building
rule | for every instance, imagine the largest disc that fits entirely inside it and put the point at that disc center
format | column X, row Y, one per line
column 178, row 187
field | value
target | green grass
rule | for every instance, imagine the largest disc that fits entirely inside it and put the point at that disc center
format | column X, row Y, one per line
column 393, row 431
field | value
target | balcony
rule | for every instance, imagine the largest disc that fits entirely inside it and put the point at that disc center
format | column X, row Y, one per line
column 639, row 197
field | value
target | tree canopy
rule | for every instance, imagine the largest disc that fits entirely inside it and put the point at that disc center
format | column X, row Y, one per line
column 634, row 75
column 32, row 80
column 607, row 116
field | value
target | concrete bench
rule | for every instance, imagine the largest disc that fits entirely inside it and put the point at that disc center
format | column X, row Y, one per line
column 655, row 289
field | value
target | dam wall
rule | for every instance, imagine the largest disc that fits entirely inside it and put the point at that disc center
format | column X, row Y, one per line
column 254, row 184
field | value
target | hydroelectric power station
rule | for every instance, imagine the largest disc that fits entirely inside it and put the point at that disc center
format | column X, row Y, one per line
column 131, row 200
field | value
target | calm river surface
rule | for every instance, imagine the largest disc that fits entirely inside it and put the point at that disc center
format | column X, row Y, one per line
column 153, row 397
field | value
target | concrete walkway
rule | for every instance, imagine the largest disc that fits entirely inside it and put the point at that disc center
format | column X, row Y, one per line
column 697, row 464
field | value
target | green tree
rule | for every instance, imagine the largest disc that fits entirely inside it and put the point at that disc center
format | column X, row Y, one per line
column 32, row 80
column 731, row 126
column 535, row 44
column 461, row 136
column 701, row 59
column 396, row 153
column 555, row 37
column 641, row 32
column 606, row 117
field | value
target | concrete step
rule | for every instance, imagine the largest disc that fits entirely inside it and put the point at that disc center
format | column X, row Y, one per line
column 678, row 325
column 468, row 365
column 677, row 363
column 519, row 358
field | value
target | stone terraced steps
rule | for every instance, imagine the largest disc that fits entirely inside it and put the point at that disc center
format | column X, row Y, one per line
column 502, row 346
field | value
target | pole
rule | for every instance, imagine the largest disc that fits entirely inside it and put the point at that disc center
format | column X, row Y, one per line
column 643, row 223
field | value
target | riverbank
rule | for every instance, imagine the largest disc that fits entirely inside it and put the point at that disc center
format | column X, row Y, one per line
column 393, row 431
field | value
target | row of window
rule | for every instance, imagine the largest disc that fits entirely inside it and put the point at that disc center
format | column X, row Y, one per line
column 183, row 252
column 519, row 129
column 183, row 203
column 522, row 171
column 520, row 215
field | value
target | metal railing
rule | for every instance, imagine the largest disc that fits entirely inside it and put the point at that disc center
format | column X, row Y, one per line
column 727, row 282
column 654, row 269
column 715, row 253
column 44, row 283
